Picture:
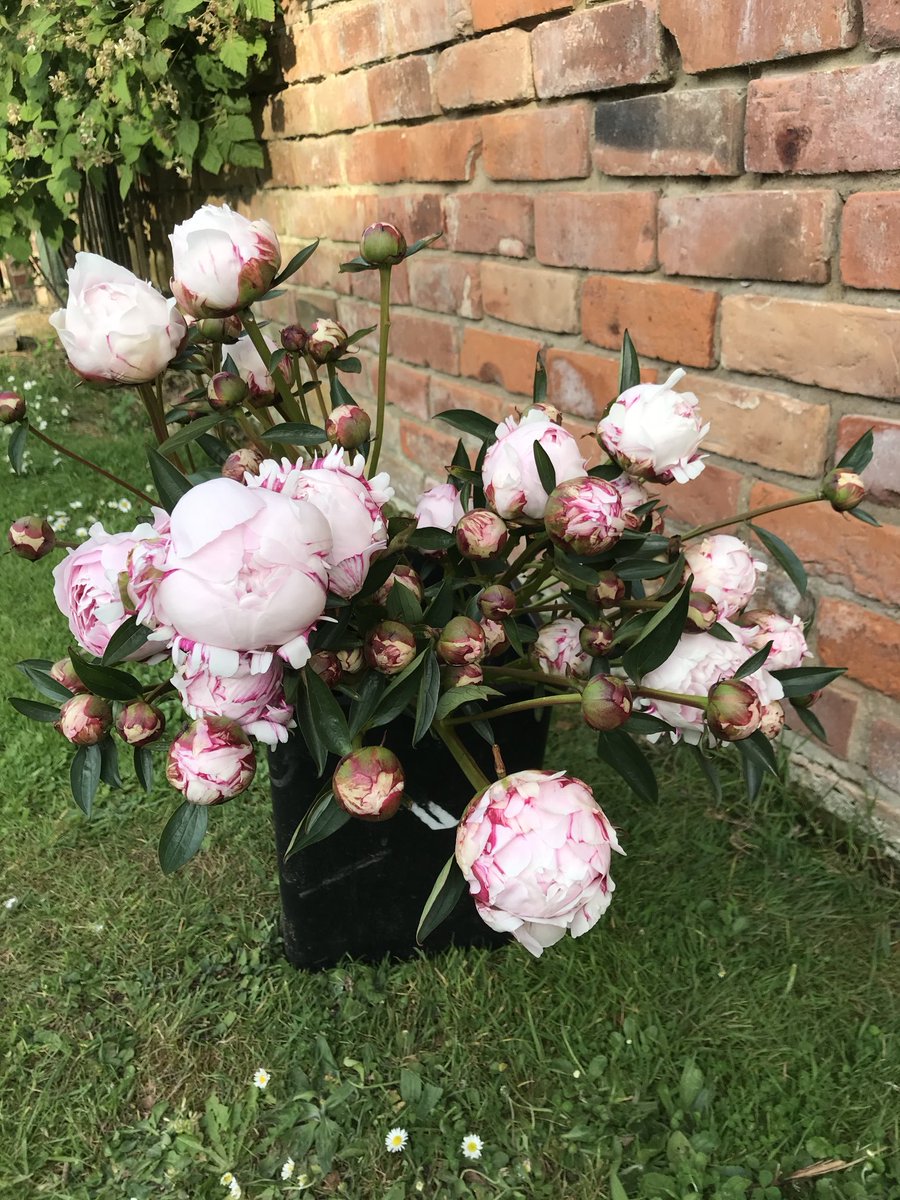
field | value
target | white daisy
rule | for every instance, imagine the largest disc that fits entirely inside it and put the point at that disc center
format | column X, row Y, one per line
column 81, row 531
column 11, row 903
column 472, row 1145
column 261, row 1078
column 227, row 1179
column 287, row 1169
column 76, row 504
column 124, row 505
column 396, row 1141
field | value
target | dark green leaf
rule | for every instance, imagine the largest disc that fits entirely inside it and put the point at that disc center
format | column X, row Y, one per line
column 399, row 692
column 429, row 692
column 296, row 262
column 17, row 446
column 182, row 836
column 720, row 632
column 35, row 710
column 865, row 517
column 330, row 722
column 456, row 696
column 784, row 556
column 349, row 364
column 355, row 265
column 428, row 538
column 422, row 243
column 171, row 485
column 307, row 726
column 642, row 722
column 629, row 365
column 402, row 605
column 758, row 747
column 620, row 752
column 709, row 770
column 44, row 682
column 445, row 895
column 812, row 723
column 368, row 696
column 84, row 775
column 539, row 389
column 127, row 640
column 360, row 334
column 143, row 767
column 191, row 432
column 659, row 637
column 213, row 448
column 105, row 681
column 339, row 394
column 674, row 577
column 468, row 421
column 641, row 568
column 440, row 610
column 297, row 433
column 545, row 468
column 109, row 763
column 800, row 681
column 323, row 818
column 860, row 453
column 753, row 663
column 752, row 772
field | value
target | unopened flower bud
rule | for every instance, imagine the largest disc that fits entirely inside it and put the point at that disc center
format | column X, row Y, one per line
column 657, row 522
column 211, row 761
column 481, row 534
column 495, row 637
column 140, row 723
column 12, row 408
column 806, row 701
column 382, row 245
column 407, row 577
column 220, row 330
column 461, row 675
column 462, row 641
column 326, row 340
column 242, row 462
column 351, row 661
column 606, row 702
column 63, row 672
column 607, row 591
column 85, row 719
column 702, row 613
column 226, row 391
column 31, row 538
column 368, row 783
column 294, row 339
column 327, row 666
column 390, row 647
column 597, row 638
column 584, row 516
column 497, row 600
column 843, row 489
column 734, row 710
column 348, row 426
column 772, row 721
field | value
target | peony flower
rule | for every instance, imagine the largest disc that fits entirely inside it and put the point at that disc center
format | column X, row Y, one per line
column 368, row 783
column 725, row 569
column 481, row 534
column 495, row 636
column 250, row 366
column 584, row 516
column 348, row 426
column 221, row 261
column 115, row 328
column 497, row 600
column 512, row 484
column 535, row 849
column 246, row 688
column 211, row 761
column 632, row 494
column 557, row 649
column 245, row 569
column 351, row 504
column 140, row 723
column 85, row 720
column 786, row 634
column 654, row 432
column 439, row 508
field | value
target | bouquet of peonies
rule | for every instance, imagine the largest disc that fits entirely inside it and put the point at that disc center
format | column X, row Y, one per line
column 284, row 591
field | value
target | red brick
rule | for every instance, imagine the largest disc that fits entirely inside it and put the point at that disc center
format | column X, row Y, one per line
column 769, row 428
column 436, row 152
column 585, row 384
column 378, row 156
column 337, row 215
column 842, row 346
column 358, row 314
column 531, row 296
column 884, row 752
column 407, row 387
column 882, row 23
column 425, row 341
column 870, row 240
column 882, row 475
column 354, row 35
column 294, row 164
column 490, row 71
column 420, row 24
column 866, row 642
column 714, row 494
column 694, row 132
column 835, row 545
column 665, row 320
column 538, row 143
column 499, row 358
column 445, row 285
column 322, row 269
column 427, row 446
column 713, row 34
column 602, row 231
column 401, row 90
column 825, row 121
column 301, row 52
column 447, row 394
column 490, row 223
column 339, row 102
column 418, row 214
column 749, row 235
column 837, row 709
column 585, row 433
column 367, row 285
column 491, row 14
column 616, row 45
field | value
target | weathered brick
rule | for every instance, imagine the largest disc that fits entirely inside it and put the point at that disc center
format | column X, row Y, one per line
column 420, row 24
column 882, row 475
column 378, row 156
column 866, row 642
column 499, row 358
column 713, row 495
column 585, row 433
column 441, row 284
column 825, row 121
column 617, row 44
column 400, row 90
column 491, row 14
column 302, row 53
column 837, row 709
column 864, row 557
column 749, row 235
column 407, row 476
column 711, row 34
column 436, row 152
column 602, row 231
column 418, row 214
column 489, row 71
column 316, row 108
column 584, row 383
column 695, row 132
column 407, row 387
column 295, row 163
column 882, row 23
column 360, row 314
column 427, row 446
column 490, row 223
column 537, row 143
column 842, row 346
column 870, row 240
column 355, row 35
column 425, row 341
column 367, row 285
column 884, row 752
column 448, row 394
column 338, row 215
column 665, row 320
column 769, row 428
column 531, row 296
column 322, row 269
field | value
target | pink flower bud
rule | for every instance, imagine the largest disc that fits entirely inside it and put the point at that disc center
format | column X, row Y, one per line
column 220, row 331
column 382, row 245
column 12, row 408
column 633, row 495
column 294, row 339
column 495, row 638
column 407, row 577
column 597, row 638
column 85, row 719
column 241, row 462
column 843, row 489
column 734, row 710
column 772, row 721
column 63, row 672
column 350, row 661
column 348, row 426
column 327, row 666
column 461, row 675
column 368, row 783
column 724, row 567
column 557, row 649
column 657, row 522
column 702, row 614
column 786, row 634
column 497, row 600
column 481, row 534
column 584, row 516
column 607, row 591
column 654, row 432
column 31, row 538
column 806, row 701
column 211, row 761
column 390, row 647
column 327, row 340
column 606, row 702
column 462, row 641
column 140, row 723
column 226, row 391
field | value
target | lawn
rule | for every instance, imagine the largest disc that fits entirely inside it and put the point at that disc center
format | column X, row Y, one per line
column 731, row 1021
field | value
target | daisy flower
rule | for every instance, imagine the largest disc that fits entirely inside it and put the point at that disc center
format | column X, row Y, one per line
column 396, row 1141
column 472, row 1145
column 124, row 505
column 287, row 1169
column 227, row 1179
column 261, row 1078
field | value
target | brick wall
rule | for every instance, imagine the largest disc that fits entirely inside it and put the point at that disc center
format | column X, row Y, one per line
column 713, row 175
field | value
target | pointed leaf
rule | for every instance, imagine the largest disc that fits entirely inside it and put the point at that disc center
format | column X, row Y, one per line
column 753, row 663
column 296, row 262
column 539, row 389
column 182, row 836
column 621, row 753
column 422, row 243
column 350, row 365
column 323, row 818
column 191, row 432
column 800, row 681
column 109, row 763
column 429, row 692
column 339, row 394
column 660, row 637
column 720, row 632
column 17, row 446
column 812, row 723
column 445, row 895
column 359, row 334
column 297, row 433
column 784, row 556
column 355, row 265
column 402, row 605
column 629, row 365
column 370, row 692
column 44, row 682
column 545, row 468
column 171, row 485
column 35, row 710
column 399, row 692
column 331, row 724
column 468, row 421
column 759, row 748
column 860, row 453
column 865, row 517
column 431, row 538
column 108, row 682
column 709, row 770
column 84, row 775
column 752, row 772
column 127, row 640
column 143, row 767
column 452, row 699
column 646, row 723
column 308, row 727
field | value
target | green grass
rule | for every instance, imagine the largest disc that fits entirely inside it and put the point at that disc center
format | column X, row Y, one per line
column 732, row 1019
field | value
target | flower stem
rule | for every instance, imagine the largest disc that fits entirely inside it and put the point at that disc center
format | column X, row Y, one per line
column 671, row 697
column 536, row 581
column 314, row 375
column 298, row 385
column 808, row 498
column 529, row 553
column 86, row 462
column 536, row 677
column 291, row 407
column 519, row 706
column 384, row 329
column 464, row 759
column 153, row 404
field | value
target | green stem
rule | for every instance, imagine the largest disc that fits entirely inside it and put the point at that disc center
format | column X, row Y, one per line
column 530, row 552
column 384, row 329
column 153, row 405
column 536, row 677
column 291, row 407
column 86, row 462
column 298, row 387
column 535, row 583
column 671, row 697
column 808, row 498
column 314, row 375
column 519, row 706
column 464, row 759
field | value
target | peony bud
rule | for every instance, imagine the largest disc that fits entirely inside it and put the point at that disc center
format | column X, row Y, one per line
column 211, row 761
column 368, row 783
column 382, row 245
column 481, row 534
column 607, row 591
column 772, row 721
column 606, row 702
column 226, row 391
column 12, row 408
column 806, row 701
column 63, row 672
column 327, row 666
column 462, row 641
column 350, row 661
column 85, row 719
column 497, row 600
column 597, row 638
column 407, row 577
column 495, row 639
column 702, row 613
column 241, row 462
column 390, row 647
column 140, row 723
column 327, row 340
column 221, row 331
column 461, row 675
column 734, row 710
column 348, row 426
column 294, row 339
column 843, row 489
column 657, row 521
column 31, row 538
column 584, row 516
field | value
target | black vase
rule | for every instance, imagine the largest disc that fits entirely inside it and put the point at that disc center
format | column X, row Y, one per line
column 361, row 891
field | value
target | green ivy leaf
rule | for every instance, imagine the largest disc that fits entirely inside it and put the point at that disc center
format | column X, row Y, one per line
column 182, row 836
